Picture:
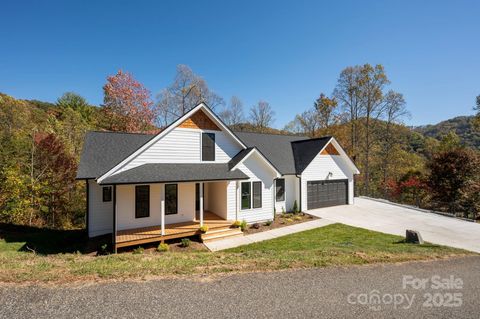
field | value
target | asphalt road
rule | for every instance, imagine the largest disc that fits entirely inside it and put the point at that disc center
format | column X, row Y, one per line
column 314, row 293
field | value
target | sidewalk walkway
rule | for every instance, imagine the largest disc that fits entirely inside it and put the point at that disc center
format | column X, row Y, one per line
column 266, row 235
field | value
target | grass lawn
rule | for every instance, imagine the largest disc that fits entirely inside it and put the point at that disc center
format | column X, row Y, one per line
column 327, row 246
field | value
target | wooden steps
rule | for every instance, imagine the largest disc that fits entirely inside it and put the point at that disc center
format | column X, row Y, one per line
column 220, row 233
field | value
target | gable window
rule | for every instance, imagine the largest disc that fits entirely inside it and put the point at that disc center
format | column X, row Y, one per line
column 257, row 194
column 107, row 193
column 142, row 201
column 171, row 199
column 208, row 147
column 280, row 190
column 246, row 195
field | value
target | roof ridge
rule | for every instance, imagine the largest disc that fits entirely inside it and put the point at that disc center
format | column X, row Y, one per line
column 314, row 139
column 118, row 132
column 276, row 134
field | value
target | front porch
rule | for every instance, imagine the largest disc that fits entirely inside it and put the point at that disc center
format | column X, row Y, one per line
column 143, row 235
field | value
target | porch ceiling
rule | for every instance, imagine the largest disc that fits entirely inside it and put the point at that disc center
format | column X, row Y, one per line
column 166, row 173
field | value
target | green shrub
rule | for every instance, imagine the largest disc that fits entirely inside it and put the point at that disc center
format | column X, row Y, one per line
column 295, row 207
column 103, row 250
column 289, row 220
column 236, row 224
column 268, row 222
column 163, row 247
column 297, row 217
column 243, row 225
column 185, row 242
column 283, row 210
column 203, row 228
column 138, row 251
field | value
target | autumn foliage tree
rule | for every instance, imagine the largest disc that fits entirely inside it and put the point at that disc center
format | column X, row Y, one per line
column 127, row 104
column 55, row 171
column 454, row 180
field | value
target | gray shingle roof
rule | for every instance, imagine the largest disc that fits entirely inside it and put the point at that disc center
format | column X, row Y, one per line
column 276, row 148
column 305, row 151
column 238, row 158
column 160, row 172
column 289, row 154
column 104, row 150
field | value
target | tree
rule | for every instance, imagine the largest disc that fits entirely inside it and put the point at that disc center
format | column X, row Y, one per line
column 55, row 171
column 394, row 110
column 76, row 102
column 477, row 115
column 308, row 122
column 187, row 91
column 454, row 179
column 127, row 104
column 372, row 81
column 347, row 92
column 325, row 108
column 261, row 115
column 233, row 114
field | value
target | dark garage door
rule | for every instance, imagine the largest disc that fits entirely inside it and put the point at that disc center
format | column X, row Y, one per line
column 326, row 193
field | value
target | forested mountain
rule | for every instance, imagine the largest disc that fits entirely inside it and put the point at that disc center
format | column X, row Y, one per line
column 461, row 125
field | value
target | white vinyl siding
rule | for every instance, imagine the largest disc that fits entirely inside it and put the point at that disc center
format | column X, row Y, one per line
column 257, row 170
column 232, row 200
column 216, row 198
column 126, row 206
column 291, row 194
column 320, row 168
column 100, row 219
column 183, row 145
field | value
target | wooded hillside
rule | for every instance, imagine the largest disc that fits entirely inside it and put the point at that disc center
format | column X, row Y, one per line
column 40, row 142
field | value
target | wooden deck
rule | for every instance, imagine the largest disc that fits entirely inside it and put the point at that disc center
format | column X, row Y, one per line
column 137, row 236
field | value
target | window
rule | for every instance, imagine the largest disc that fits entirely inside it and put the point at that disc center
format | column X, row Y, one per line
column 107, row 193
column 257, row 194
column 246, row 195
column 208, row 147
column 142, row 201
column 248, row 198
column 171, row 199
column 280, row 190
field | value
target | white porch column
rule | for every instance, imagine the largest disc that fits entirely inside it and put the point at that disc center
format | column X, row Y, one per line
column 201, row 203
column 162, row 215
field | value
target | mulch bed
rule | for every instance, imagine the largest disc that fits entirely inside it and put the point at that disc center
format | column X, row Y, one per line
column 280, row 221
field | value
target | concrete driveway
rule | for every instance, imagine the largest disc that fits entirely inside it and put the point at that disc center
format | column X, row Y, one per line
column 391, row 219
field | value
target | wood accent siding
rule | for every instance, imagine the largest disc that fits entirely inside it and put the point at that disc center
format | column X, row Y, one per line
column 330, row 150
column 199, row 120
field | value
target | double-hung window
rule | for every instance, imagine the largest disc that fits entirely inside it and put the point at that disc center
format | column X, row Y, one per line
column 251, row 195
column 208, row 147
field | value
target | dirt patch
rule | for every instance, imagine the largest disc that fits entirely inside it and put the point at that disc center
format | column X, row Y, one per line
column 279, row 222
column 174, row 245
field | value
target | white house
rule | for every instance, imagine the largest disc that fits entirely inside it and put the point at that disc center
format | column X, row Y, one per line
column 145, row 188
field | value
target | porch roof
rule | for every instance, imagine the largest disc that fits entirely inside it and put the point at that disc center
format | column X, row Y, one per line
column 165, row 173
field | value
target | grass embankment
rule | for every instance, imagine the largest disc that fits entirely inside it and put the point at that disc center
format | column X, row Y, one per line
column 332, row 245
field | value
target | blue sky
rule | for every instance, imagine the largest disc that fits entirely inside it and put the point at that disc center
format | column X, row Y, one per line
column 283, row 52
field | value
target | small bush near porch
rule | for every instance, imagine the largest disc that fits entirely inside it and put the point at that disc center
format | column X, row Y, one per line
column 332, row 245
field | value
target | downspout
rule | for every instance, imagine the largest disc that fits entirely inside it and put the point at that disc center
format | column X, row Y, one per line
column 299, row 191
column 274, row 196
column 236, row 200
column 87, row 210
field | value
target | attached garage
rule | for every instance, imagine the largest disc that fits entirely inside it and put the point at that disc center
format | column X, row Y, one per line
column 327, row 193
